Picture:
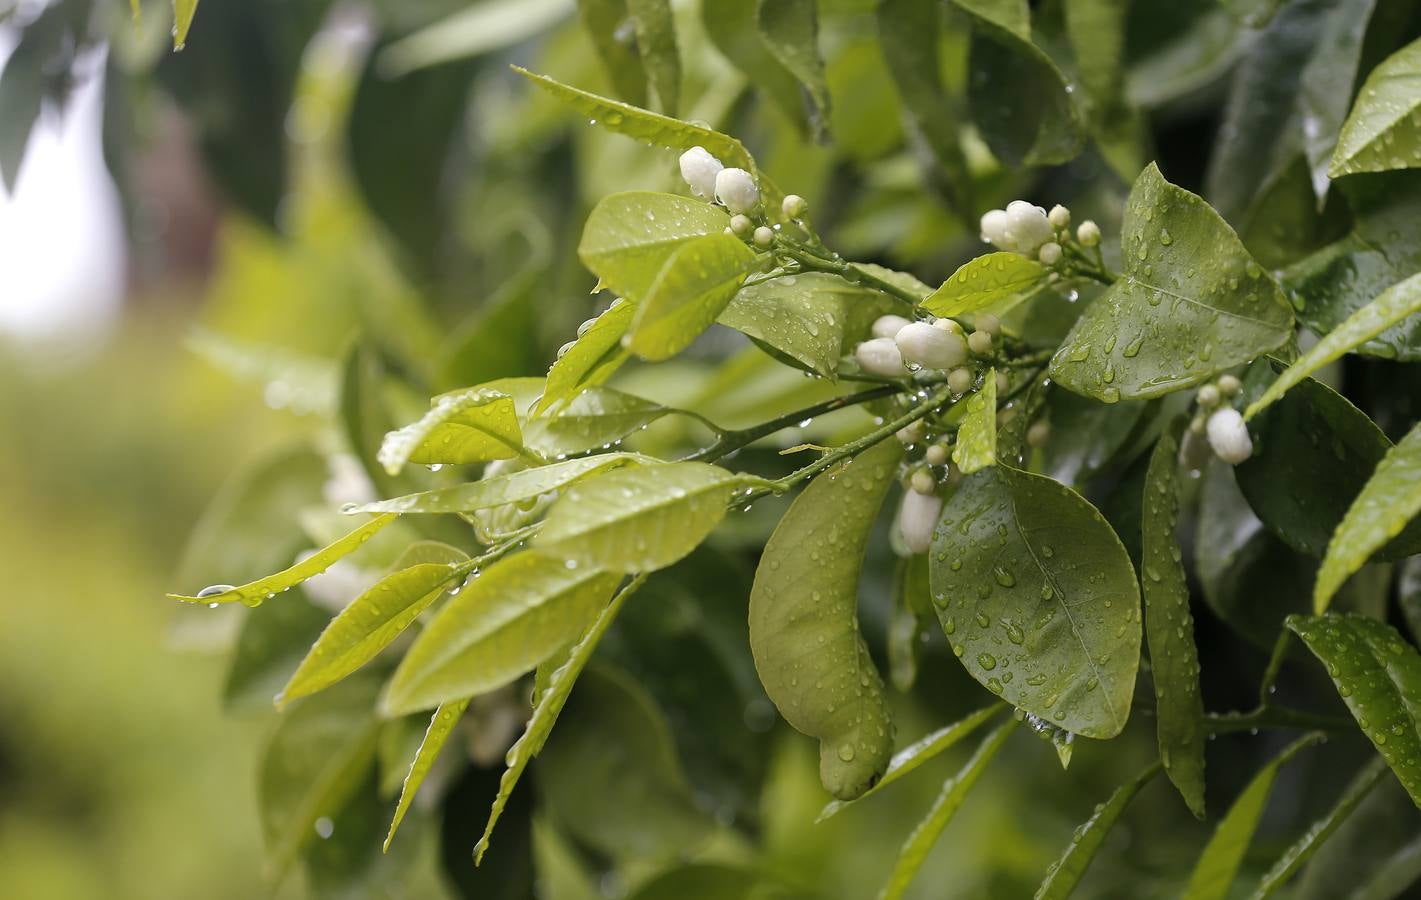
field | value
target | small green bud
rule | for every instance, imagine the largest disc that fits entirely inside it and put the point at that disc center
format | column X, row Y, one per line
column 980, row 343
column 794, row 206
column 764, row 237
column 1060, row 217
column 1088, row 233
column 740, row 224
column 960, row 380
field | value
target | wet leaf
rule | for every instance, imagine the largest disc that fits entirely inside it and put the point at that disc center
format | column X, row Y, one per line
column 1383, row 131
column 804, row 630
column 629, row 237
column 976, row 446
column 1218, row 864
column 790, row 29
column 984, row 281
column 592, row 357
column 470, row 426
column 514, row 615
column 638, row 520
column 1086, row 435
column 1065, row 873
column 596, row 417
column 954, row 791
column 1038, row 599
column 1190, row 304
column 656, row 41
column 813, row 318
column 1379, row 677
column 441, row 726
column 256, row 592
column 694, row 285
column 1169, row 628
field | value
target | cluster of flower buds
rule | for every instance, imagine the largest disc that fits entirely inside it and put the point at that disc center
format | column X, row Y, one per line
column 709, row 179
column 1220, row 422
column 1035, row 233
column 900, row 346
column 922, row 504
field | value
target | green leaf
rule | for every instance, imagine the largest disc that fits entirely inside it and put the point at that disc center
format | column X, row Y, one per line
column 813, row 318
column 1065, row 873
column 547, row 708
column 1379, row 677
column 1383, row 131
column 1169, row 628
column 694, row 285
column 954, row 791
column 317, row 757
column 1218, row 864
column 638, row 520
column 183, row 11
column 629, row 237
column 1299, row 853
column 976, row 446
column 982, row 282
column 596, row 417
column 256, row 592
column 1392, row 306
column 470, row 426
column 1096, row 31
column 369, row 624
column 605, row 22
column 804, row 630
column 591, row 359
column 656, row 41
column 500, row 490
column 1336, row 62
column 733, row 27
column 707, row 881
column 1086, row 435
column 920, row 752
column 1357, row 854
column 1020, row 100
column 517, row 613
column 790, row 29
column 473, row 31
column 1038, row 599
column 441, row 725
column 1190, row 304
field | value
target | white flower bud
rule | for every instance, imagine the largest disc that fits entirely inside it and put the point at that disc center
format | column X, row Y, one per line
column 794, row 206
column 1049, row 254
column 923, row 482
column 994, row 226
column 949, row 325
column 764, row 236
column 936, row 455
column 917, row 518
column 741, row 225
column 988, row 323
column 880, row 356
column 1228, row 435
column 735, row 188
column 700, row 169
column 1029, row 227
column 1230, row 386
column 980, row 343
column 932, row 348
column 959, row 381
column 1088, row 233
column 889, row 326
column 1060, row 217
column 1208, row 396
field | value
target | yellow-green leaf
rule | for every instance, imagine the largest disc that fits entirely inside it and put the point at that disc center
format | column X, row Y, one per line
column 470, row 426
column 976, row 446
column 441, row 725
column 982, row 282
column 1065, row 873
column 694, row 285
column 503, row 489
column 628, row 237
column 183, row 11
column 1383, row 131
column 591, row 358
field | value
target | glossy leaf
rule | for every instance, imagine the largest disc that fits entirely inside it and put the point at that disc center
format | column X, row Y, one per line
column 596, row 417
column 470, row 426
column 1190, row 304
column 638, row 520
column 1379, row 677
column 1392, row 306
column 592, row 357
column 804, row 631
column 369, row 624
column 813, row 317
column 605, row 22
column 694, row 285
column 1299, row 853
column 1218, row 865
column 1338, row 61
column 790, row 29
column 514, row 615
column 919, row 752
column 629, row 237
column 982, row 282
column 1382, row 132
column 545, row 711
column 976, row 446
column 501, row 490
column 183, row 11
column 656, row 41
column 1038, row 599
column 1086, row 435
column 254, row 593
column 441, row 726
column 1169, row 628
column 954, row 791
column 1065, row 873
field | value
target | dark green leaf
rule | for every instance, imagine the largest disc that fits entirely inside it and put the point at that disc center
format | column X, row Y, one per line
column 656, row 41
column 1086, row 435
column 606, row 22
column 790, row 29
column 1065, row 873
column 1383, row 132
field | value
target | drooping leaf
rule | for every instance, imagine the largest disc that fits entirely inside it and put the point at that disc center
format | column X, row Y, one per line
column 549, row 705
column 473, row 31
column 790, row 30
column 804, row 631
column 1384, row 825
column 1390, row 307
column 1038, row 599
column 596, row 417
column 369, row 624
column 920, row 752
column 976, row 446
column 629, row 237
column 1096, row 31
column 1065, row 873
column 638, row 520
column 255, row 592
column 591, row 359
column 514, row 615
column 1086, row 435
column 503, row 489
column 1218, row 865
column 470, row 426
column 606, row 24
column 954, row 791
column 1379, row 677
column 1337, row 61
column 441, row 726
column 982, row 282
column 733, row 26
column 694, row 285
column 183, row 11
column 1382, row 132
column 656, row 41
column 1190, row 304
column 1299, row 853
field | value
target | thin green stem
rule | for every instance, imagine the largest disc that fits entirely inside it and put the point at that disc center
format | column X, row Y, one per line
column 730, row 441
column 848, row 271
column 1274, row 668
column 1275, row 717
